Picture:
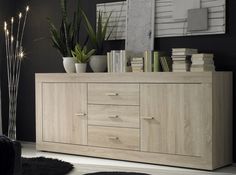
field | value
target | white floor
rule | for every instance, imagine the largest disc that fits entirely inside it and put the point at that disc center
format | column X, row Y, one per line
column 85, row 165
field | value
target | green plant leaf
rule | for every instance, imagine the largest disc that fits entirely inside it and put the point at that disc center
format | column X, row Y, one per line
column 90, row 30
column 99, row 29
column 63, row 4
column 90, row 53
column 104, row 31
column 81, row 55
column 67, row 35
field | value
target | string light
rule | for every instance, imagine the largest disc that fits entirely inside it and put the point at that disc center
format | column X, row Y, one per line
column 21, row 54
column 5, row 26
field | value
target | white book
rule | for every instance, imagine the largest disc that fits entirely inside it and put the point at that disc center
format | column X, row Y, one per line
column 182, row 62
column 124, row 60
column 203, row 68
column 137, row 62
column 202, row 62
column 180, row 57
column 137, row 65
column 184, row 51
column 202, row 59
column 137, row 59
column 115, row 60
column 180, row 70
column 184, row 66
column 203, row 55
column 120, row 62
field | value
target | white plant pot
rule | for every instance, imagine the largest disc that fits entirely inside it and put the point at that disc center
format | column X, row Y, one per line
column 98, row 63
column 80, row 67
column 69, row 64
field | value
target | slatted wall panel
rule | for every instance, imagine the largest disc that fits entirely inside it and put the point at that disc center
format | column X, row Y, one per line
column 165, row 25
column 117, row 20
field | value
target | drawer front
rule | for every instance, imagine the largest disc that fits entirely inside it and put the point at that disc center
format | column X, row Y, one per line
column 117, row 94
column 117, row 116
column 121, row 138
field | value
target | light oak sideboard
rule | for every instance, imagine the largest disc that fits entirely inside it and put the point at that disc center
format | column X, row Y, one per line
column 176, row 119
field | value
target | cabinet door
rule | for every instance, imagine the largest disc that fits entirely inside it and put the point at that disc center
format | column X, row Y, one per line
column 65, row 112
column 171, row 116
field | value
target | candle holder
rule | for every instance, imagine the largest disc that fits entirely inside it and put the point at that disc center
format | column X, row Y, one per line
column 14, row 56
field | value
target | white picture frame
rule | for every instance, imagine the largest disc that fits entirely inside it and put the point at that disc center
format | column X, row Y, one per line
column 165, row 25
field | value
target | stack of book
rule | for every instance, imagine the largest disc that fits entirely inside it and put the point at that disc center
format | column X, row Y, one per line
column 182, row 59
column 202, row 62
column 117, row 61
column 137, row 64
column 155, row 60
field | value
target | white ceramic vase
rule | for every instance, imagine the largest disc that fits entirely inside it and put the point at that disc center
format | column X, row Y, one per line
column 80, row 67
column 98, row 63
column 69, row 64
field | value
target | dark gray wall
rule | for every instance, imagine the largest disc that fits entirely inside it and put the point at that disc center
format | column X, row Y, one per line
column 41, row 57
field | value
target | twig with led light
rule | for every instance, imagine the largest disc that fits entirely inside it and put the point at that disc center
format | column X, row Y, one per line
column 14, row 55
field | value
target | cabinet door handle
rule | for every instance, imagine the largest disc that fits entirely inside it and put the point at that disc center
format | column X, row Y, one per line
column 113, row 138
column 113, row 116
column 148, row 118
column 80, row 114
column 112, row 94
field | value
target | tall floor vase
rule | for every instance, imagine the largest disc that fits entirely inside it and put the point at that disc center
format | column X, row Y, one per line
column 13, row 94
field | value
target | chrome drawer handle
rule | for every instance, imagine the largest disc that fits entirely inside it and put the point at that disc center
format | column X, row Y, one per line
column 113, row 116
column 80, row 114
column 113, row 138
column 112, row 94
column 148, row 118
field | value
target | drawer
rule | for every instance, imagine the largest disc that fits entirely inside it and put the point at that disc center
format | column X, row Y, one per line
column 117, row 94
column 121, row 138
column 109, row 115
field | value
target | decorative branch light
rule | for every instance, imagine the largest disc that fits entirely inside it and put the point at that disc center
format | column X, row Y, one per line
column 14, row 55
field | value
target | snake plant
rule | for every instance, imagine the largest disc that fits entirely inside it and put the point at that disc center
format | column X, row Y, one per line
column 65, row 38
column 99, row 36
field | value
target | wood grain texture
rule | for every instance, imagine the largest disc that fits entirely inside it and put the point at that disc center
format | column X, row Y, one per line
column 116, row 94
column 61, row 103
column 110, row 115
column 111, row 137
column 222, row 119
column 185, row 118
column 122, row 154
column 157, row 77
column 176, row 124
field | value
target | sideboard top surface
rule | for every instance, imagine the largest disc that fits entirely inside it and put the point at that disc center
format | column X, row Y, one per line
column 159, row 77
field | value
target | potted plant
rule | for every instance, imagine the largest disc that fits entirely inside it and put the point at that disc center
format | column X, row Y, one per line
column 82, row 55
column 98, row 62
column 67, row 36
